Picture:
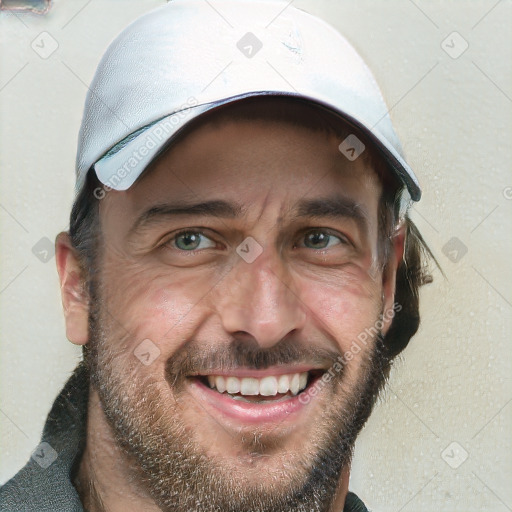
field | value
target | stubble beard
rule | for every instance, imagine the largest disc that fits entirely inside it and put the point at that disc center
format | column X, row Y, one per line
column 179, row 475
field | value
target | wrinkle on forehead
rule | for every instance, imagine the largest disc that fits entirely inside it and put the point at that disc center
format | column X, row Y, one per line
column 266, row 169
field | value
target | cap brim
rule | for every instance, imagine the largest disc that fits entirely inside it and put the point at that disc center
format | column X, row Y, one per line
column 120, row 167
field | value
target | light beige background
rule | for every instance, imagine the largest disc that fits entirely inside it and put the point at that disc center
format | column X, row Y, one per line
column 453, row 383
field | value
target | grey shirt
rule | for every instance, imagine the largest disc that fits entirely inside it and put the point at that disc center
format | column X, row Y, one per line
column 44, row 484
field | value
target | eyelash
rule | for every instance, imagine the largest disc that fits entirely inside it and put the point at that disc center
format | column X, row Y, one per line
column 342, row 239
column 187, row 232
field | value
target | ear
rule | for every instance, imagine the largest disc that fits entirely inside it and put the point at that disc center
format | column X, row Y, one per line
column 389, row 276
column 75, row 300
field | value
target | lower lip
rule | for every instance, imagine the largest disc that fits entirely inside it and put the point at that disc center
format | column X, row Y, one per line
column 248, row 412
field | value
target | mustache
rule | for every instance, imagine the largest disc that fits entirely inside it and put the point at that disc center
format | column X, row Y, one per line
column 195, row 358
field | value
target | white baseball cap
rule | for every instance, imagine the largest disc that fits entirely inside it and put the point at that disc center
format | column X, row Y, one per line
column 190, row 56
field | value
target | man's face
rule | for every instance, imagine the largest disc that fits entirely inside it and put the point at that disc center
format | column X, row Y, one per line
column 214, row 308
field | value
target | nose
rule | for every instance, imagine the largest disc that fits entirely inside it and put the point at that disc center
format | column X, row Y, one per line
column 259, row 300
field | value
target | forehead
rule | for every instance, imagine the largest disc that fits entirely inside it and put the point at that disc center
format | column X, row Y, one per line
column 262, row 163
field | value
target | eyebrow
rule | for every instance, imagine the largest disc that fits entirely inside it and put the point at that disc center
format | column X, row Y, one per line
column 334, row 207
column 215, row 208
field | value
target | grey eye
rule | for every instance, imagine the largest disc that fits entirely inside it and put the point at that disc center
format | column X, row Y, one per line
column 320, row 240
column 192, row 240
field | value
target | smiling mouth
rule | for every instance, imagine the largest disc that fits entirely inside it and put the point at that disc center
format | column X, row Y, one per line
column 270, row 388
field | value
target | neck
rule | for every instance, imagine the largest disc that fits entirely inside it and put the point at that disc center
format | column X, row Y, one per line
column 105, row 476
column 341, row 495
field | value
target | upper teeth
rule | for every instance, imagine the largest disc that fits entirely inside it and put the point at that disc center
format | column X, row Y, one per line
column 267, row 386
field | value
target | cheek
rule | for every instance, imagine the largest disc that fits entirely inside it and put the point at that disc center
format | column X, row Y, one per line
column 343, row 312
column 160, row 306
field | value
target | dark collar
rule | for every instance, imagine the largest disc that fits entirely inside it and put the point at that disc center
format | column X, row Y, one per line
column 44, row 484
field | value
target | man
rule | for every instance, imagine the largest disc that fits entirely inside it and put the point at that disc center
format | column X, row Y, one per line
column 240, row 270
